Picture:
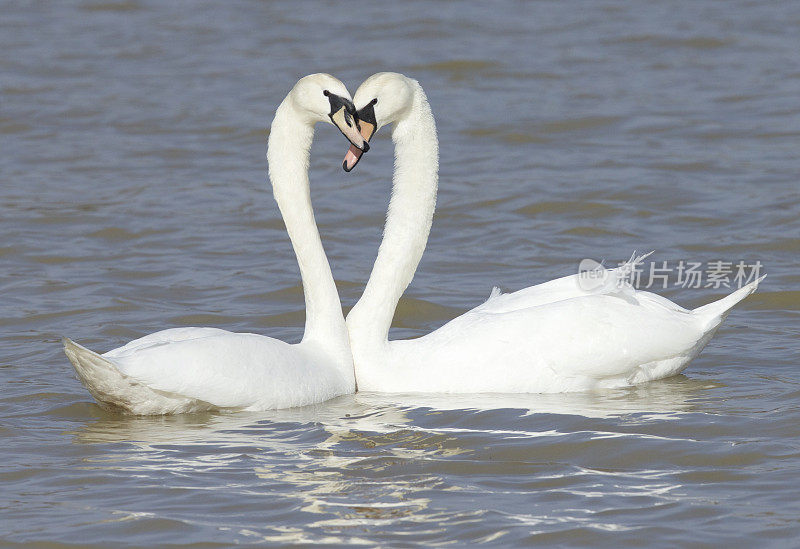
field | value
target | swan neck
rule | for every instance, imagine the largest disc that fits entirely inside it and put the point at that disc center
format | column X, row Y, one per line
column 408, row 224
column 288, row 151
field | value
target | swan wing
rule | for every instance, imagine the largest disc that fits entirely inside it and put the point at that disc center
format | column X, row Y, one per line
column 568, row 344
column 566, row 287
column 222, row 369
column 614, row 282
column 114, row 390
column 557, row 345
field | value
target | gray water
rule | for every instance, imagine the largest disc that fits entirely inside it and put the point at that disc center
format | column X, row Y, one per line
column 133, row 198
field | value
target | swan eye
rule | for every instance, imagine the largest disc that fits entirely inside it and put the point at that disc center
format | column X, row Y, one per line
column 375, row 101
column 326, row 93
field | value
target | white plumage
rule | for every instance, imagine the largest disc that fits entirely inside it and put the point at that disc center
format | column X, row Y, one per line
column 193, row 369
column 553, row 337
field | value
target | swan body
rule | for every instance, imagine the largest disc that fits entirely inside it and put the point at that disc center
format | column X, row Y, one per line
column 184, row 370
column 553, row 337
column 192, row 369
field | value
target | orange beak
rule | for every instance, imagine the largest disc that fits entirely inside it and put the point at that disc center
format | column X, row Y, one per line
column 365, row 120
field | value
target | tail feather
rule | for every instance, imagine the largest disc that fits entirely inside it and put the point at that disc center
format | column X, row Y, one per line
column 114, row 390
column 715, row 312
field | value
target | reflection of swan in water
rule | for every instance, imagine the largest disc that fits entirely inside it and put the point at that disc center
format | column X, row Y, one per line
column 336, row 460
column 659, row 399
column 362, row 414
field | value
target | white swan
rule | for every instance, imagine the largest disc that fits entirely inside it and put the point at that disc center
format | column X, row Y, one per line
column 191, row 369
column 554, row 337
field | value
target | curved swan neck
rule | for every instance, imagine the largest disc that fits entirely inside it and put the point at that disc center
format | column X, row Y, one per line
column 288, row 157
column 408, row 223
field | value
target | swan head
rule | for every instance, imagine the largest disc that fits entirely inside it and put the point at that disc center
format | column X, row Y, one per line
column 383, row 98
column 324, row 98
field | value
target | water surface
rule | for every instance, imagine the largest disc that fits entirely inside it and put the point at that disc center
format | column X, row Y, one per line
column 133, row 198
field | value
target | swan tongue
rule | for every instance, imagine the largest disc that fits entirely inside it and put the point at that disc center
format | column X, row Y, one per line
column 351, row 158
